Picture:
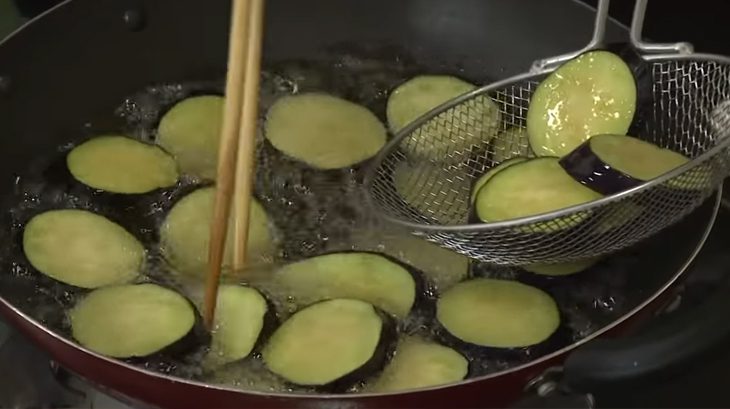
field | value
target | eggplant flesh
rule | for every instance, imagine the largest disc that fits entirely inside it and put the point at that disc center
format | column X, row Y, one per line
column 496, row 313
column 133, row 320
column 369, row 277
column 243, row 318
column 420, row 363
column 591, row 94
column 331, row 345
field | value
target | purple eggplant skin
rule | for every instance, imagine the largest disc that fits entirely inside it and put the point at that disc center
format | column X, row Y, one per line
column 587, row 168
column 644, row 80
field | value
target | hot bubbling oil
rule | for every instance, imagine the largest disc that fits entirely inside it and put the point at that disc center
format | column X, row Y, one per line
column 313, row 213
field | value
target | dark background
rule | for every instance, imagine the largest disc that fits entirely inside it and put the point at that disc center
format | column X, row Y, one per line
column 704, row 23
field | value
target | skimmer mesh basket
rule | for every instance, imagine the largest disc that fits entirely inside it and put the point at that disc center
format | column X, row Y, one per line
column 422, row 180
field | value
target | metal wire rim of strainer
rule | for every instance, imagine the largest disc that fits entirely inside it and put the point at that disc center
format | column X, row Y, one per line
column 449, row 235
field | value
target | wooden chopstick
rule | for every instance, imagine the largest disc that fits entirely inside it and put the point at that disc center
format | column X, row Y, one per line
column 245, row 166
column 245, row 34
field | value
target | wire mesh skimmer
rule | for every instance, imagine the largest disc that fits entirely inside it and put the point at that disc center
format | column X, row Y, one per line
column 689, row 112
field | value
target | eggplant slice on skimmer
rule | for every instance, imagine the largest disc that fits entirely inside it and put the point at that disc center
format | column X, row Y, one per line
column 531, row 187
column 592, row 94
column 611, row 164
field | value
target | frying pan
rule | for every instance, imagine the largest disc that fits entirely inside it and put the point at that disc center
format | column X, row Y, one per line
column 64, row 75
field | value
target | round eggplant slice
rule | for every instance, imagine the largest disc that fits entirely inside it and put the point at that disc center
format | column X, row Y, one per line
column 184, row 234
column 119, row 164
column 364, row 276
column 83, row 249
column 421, row 94
column 330, row 344
column 240, row 316
column 417, row 96
column 419, row 363
column 532, row 187
column 497, row 313
column 435, row 192
column 490, row 173
column 592, row 94
column 562, row 269
column 134, row 320
column 441, row 267
column 324, row 131
column 190, row 131
column 610, row 164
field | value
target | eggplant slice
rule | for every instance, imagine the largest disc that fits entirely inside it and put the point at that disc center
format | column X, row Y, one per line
column 419, row 363
column 185, row 233
column 240, row 318
column 330, row 344
column 133, row 320
column 365, row 276
column 440, row 266
column 190, row 131
column 611, row 164
column 419, row 95
column 81, row 248
column 497, row 313
column 323, row 131
column 532, row 187
column 592, row 94
column 119, row 164
column 490, row 173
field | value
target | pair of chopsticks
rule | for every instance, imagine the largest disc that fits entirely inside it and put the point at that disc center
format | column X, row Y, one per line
column 237, row 144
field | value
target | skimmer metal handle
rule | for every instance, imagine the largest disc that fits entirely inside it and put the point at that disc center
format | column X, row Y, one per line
column 599, row 33
column 637, row 25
